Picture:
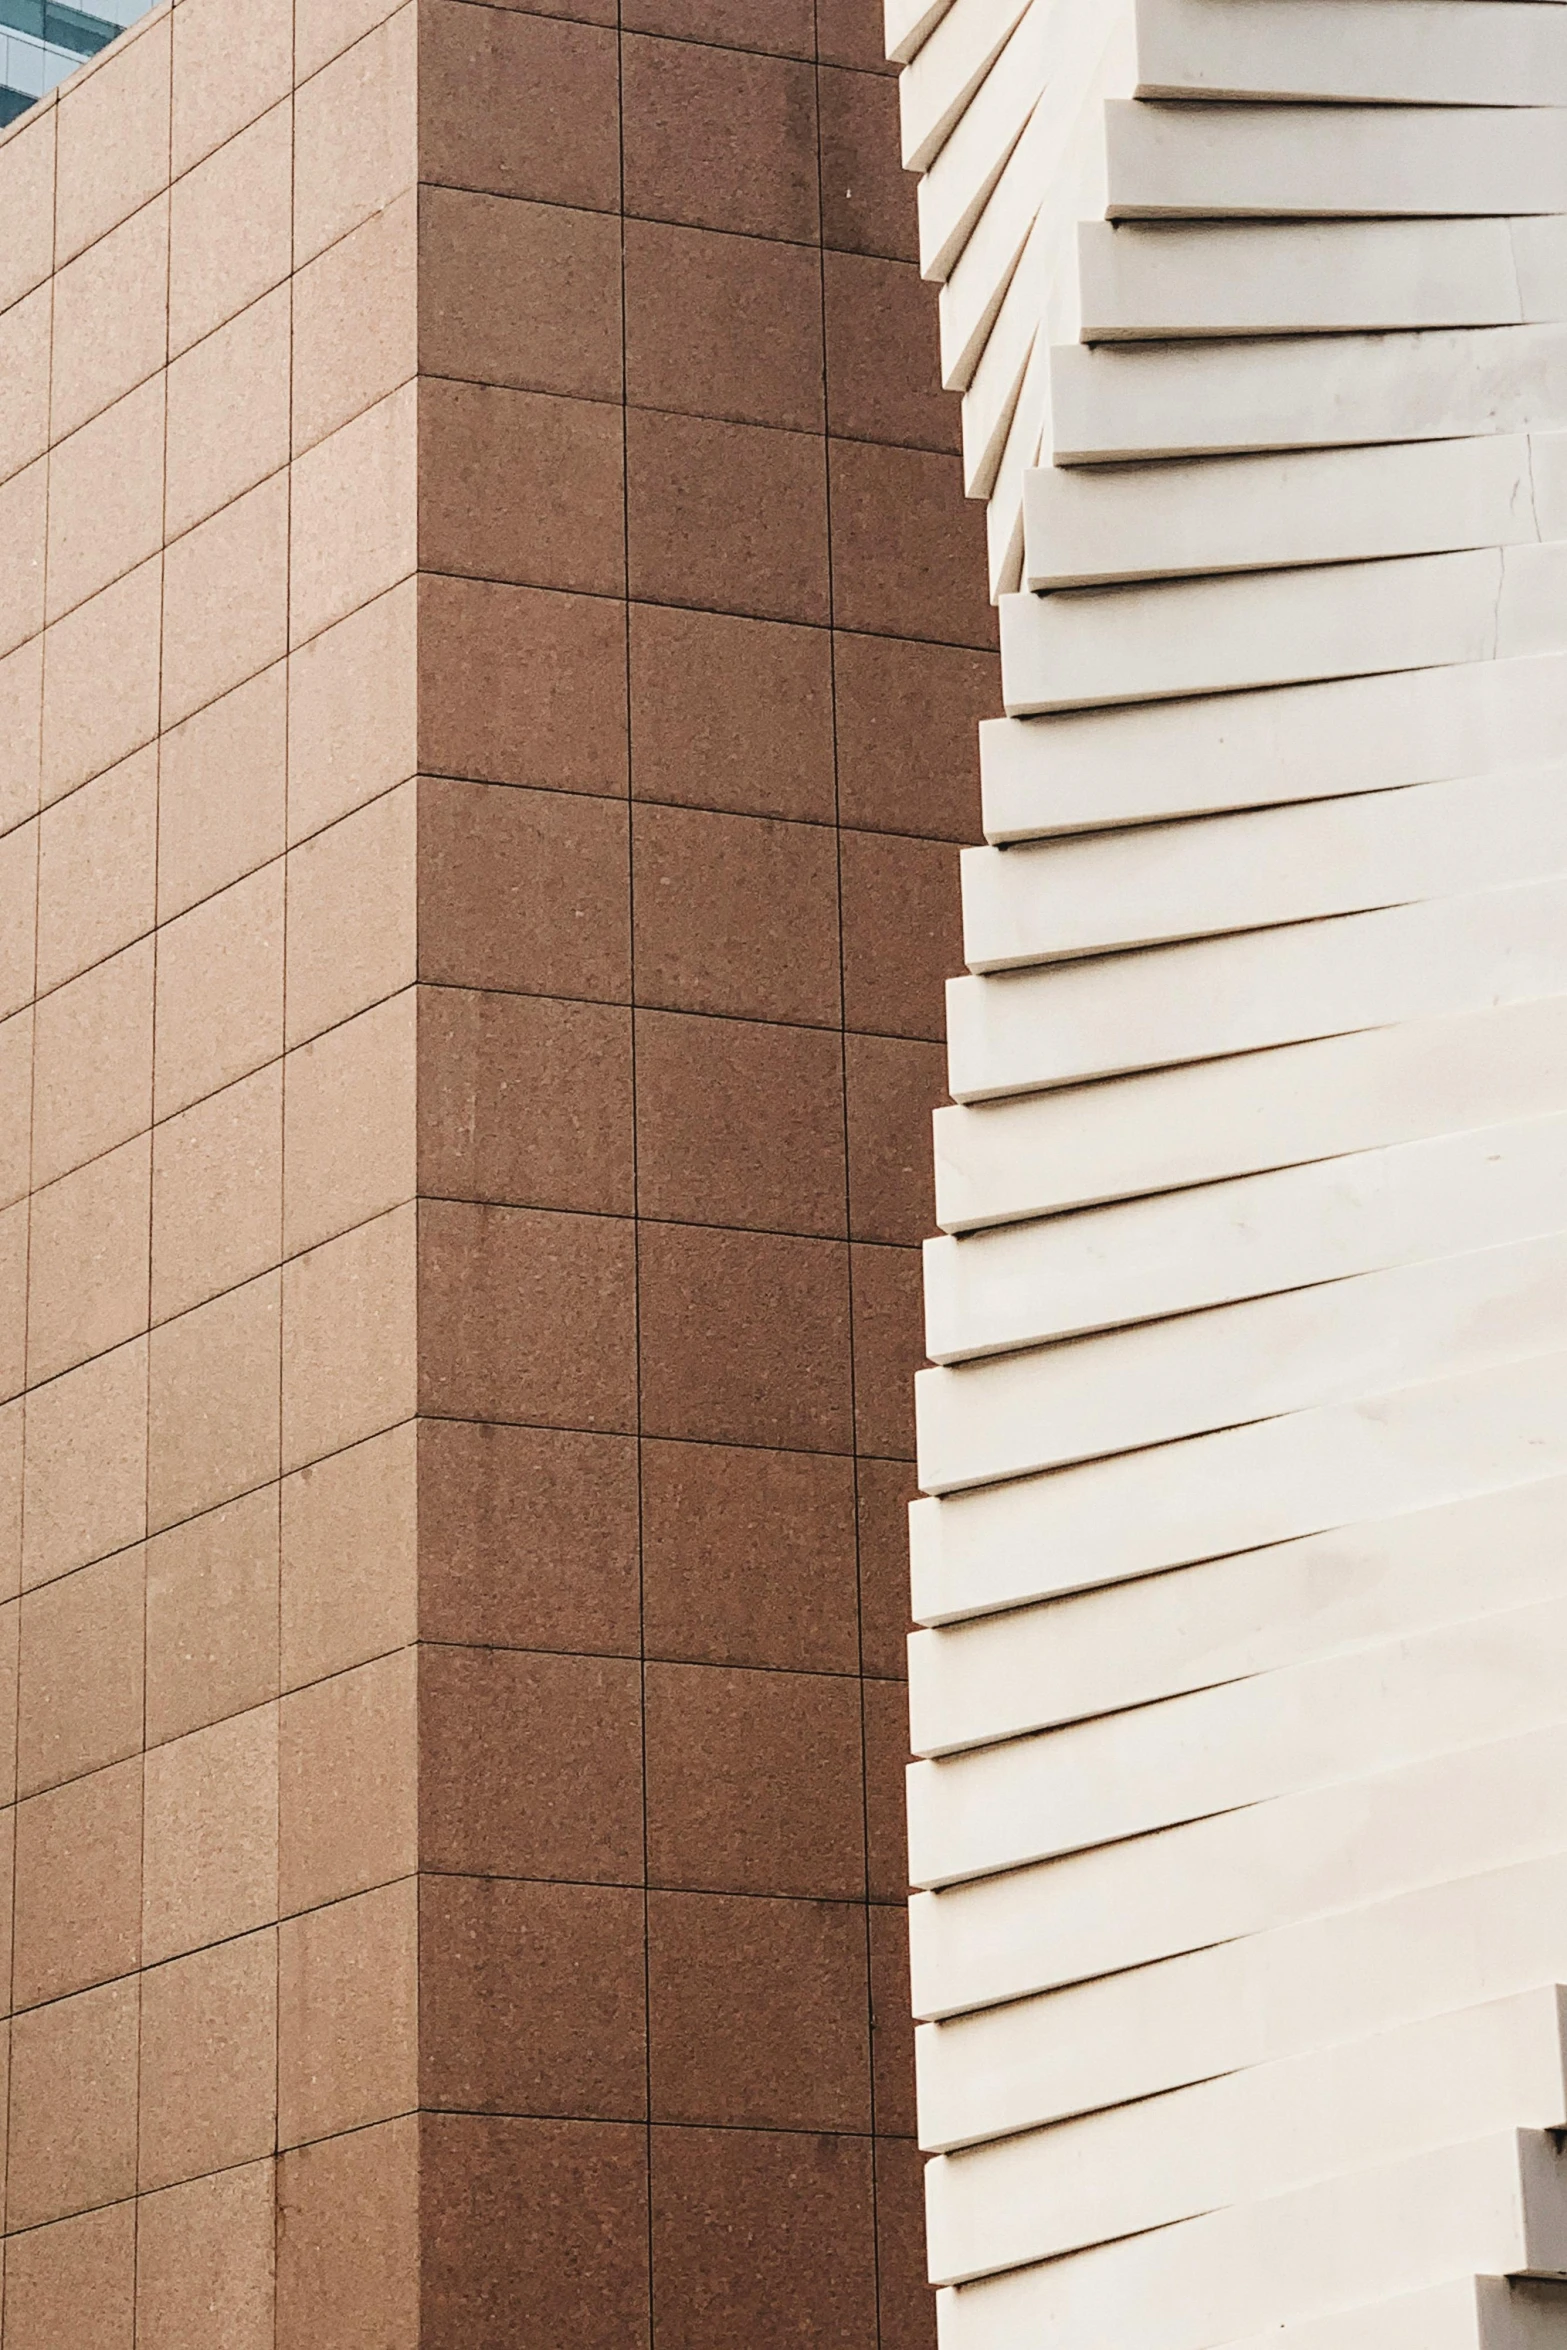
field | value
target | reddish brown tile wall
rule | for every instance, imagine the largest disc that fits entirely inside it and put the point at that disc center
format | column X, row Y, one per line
column 722, row 651
column 459, row 1735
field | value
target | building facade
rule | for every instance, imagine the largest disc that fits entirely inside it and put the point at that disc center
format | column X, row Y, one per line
column 1242, row 1934
column 491, row 640
column 494, row 548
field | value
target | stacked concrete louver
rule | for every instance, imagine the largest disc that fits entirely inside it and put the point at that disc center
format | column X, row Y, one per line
column 1241, row 1828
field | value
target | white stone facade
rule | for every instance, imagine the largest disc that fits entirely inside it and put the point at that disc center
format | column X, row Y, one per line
column 1240, row 1826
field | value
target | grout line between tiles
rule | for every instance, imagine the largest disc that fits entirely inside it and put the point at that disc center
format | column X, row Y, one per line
column 848, row 1210
column 141, row 1871
column 32, row 1096
column 651, row 2249
column 664, row 1661
column 547, row 2116
column 288, row 680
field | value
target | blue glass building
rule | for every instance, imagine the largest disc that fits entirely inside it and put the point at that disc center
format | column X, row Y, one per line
column 41, row 41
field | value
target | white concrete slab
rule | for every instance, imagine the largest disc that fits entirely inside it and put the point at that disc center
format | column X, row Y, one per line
column 959, row 184
column 1203, row 1626
column 1247, row 1741
column 1044, row 777
column 1020, row 450
column 1098, row 526
column 1024, row 1031
column 952, row 60
column 1251, row 1428
column 908, row 23
column 1327, row 1850
column 1264, row 162
column 1309, row 1984
column 1469, row 2313
column 1075, row 1529
column 1112, row 1268
column 999, row 1162
column 1496, row 2205
column 1054, row 176
column 1251, row 2135
column 1118, row 402
column 1085, row 648
column 1151, row 885
column 977, row 278
column 1388, row 50
column 1540, row 258
column 992, row 383
column 1140, row 283
column 1154, row 1382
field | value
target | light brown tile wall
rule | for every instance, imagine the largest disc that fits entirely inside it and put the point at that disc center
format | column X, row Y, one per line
column 207, row 1171
column 463, row 1317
